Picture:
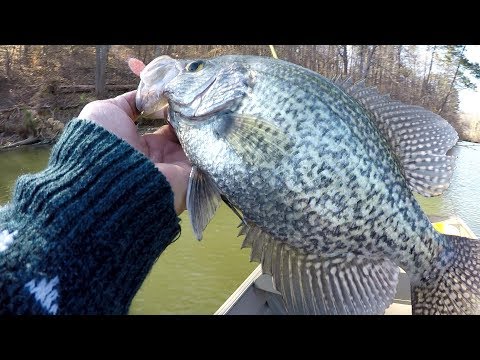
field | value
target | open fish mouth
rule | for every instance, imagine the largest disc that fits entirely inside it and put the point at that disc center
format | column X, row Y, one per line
column 156, row 106
column 155, row 97
column 159, row 111
column 150, row 100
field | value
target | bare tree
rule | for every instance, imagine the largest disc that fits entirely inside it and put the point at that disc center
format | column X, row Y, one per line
column 452, row 83
column 371, row 51
column 432, row 81
column 9, row 53
column 100, row 68
column 426, row 82
column 342, row 51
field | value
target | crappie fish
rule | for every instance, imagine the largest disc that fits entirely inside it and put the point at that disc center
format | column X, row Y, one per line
column 322, row 172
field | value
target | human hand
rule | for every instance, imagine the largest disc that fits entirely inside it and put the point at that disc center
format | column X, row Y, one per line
column 117, row 115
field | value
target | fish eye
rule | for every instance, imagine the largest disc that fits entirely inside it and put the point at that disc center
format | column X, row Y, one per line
column 195, row 66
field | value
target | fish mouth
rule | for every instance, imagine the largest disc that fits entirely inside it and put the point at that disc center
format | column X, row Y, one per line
column 158, row 111
column 151, row 100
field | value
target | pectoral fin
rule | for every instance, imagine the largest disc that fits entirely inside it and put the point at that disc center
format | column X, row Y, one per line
column 203, row 199
column 256, row 141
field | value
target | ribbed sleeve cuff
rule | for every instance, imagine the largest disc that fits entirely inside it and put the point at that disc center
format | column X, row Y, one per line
column 96, row 219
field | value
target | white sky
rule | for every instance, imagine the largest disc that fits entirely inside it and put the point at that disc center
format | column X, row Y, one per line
column 469, row 99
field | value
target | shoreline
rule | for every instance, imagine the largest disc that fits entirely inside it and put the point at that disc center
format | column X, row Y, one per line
column 16, row 146
column 37, row 142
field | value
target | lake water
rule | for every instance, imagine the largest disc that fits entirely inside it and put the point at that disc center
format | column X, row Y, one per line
column 193, row 277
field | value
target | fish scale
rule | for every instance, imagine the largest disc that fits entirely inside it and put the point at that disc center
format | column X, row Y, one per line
column 299, row 174
column 322, row 172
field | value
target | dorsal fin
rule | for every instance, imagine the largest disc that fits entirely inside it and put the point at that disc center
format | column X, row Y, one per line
column 419, row 138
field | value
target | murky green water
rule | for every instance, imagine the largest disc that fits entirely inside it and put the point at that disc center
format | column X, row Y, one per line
column 463, row 196
column 16, row 162
column 194, row 277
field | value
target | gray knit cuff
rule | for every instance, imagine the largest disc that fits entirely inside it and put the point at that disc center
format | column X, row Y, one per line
column 95, row 219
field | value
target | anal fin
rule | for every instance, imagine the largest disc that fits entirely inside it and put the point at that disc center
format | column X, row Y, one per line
column 322, row 285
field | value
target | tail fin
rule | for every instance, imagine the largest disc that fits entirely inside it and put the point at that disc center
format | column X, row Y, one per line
column 454, row 286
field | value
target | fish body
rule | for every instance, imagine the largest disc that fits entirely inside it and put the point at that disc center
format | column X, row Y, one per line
column 323, row 173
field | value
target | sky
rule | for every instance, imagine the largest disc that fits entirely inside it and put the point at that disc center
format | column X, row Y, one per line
column 469, row 99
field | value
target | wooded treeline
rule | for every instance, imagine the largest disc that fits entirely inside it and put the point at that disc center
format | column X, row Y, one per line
column 67, row 76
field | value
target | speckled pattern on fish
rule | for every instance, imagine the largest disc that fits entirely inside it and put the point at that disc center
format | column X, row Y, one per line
column 320, row 169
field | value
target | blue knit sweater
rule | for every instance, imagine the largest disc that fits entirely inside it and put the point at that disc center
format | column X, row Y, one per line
column 81, row 236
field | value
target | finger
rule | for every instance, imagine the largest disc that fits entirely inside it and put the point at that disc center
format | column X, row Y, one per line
column 166, row 133
column 163, row 145
column 178, row 178
column 126, row 102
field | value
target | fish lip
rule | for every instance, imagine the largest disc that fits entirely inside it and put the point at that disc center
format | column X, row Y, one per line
column 151, row 98
column 157, row 112
column 154, row 98
column 159, row 102
column 150, row 103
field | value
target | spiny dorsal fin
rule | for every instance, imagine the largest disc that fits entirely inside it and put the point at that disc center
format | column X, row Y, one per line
column 203, row 199
column 313, row 284
column 419, row 138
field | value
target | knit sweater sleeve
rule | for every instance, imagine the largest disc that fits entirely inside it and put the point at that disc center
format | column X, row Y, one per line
column 81, row 236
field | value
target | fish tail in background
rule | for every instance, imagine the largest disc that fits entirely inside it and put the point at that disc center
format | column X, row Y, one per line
column 454, row 285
